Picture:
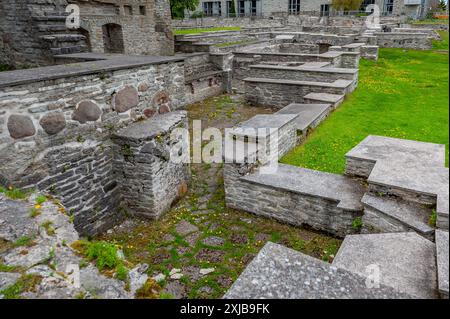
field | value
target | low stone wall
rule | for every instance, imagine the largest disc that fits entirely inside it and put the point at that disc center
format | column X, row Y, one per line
column 297, row 74
column 334, row 60
column 432, row 26
column 211, row 22
column 56, row 123
column 287, row 206
column 282, row 93
column 417, row 41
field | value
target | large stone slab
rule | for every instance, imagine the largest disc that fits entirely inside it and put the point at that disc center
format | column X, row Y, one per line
column 376, row 148
column 414, row 182
column 345, row 192
column 406, row 261
column 278, row 272
column 442, row 248
column 309, row 115
column 389, row 215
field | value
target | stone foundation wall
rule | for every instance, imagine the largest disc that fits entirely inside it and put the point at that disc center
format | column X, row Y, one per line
column 289, row 207
column 416, row 41
column 299, row 75
column 226, row 22
column 55, row 133
column 283, row 94
column 149, row 180
column 358, row 168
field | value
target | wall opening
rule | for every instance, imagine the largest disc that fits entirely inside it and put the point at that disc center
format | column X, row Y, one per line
column 88, row 38
column 113, row 38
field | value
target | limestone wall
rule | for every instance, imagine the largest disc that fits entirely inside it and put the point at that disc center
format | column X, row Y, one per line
column 417, row 41
column 55, row 132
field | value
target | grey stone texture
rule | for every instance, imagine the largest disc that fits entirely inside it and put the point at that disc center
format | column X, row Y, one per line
column 20, row 126
column 442, row 247
column 63, row 118
column 257, row 132
column 53, row 123
column 279, row 93
column 389, row 215
column 278, row 272
column 34, row 31
column 296, row 196
column 406, row 261
column 86, row 111
column 49, row 248
column 150, row 179
column 334, row 99
column 309, row 115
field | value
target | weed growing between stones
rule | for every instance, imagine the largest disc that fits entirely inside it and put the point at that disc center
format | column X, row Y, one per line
column 106, row 257
column 24, row 284
column 13, row 193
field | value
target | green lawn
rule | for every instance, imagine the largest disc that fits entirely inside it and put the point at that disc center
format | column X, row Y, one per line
column 203, row 30
column 430, row 21
column 403, row 95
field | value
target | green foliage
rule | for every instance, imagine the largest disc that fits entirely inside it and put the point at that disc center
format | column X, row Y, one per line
column 121, row 272
column 403, row 95
column 48, row 226
column 177, row 7
column 433, row 219
column 13, row 193
column 165, row 295
column 34, row 212
column 4, row 67
column 357, row 224
column 104, row 254
column 41, row 199
column 24, row 284
column 346, row 5
column 6, row 268
column 23, row 241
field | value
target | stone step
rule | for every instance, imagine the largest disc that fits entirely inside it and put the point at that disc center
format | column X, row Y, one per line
column 413, row 183
column 310, row 115
column 390, row 215
column 55, row 28
column 334, row 99
column 403, row 261
column 300, row 196
column 67, row 38
column 278, row 272
column 279, row 93
column 442, row 247
column 50, row 18
column 302, row 73
column 69, row 50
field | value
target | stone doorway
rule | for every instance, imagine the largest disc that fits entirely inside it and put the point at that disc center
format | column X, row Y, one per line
column 113, row 38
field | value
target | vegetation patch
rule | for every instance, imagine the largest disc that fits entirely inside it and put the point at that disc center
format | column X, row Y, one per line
column 105, row 255
column 13, row 193
column 26, row 283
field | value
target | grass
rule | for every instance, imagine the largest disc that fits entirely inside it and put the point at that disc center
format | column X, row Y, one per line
column 203, row 30
column 403, row 95
column 13, row 193
column 24, row 284
column 430, row 21
column 4, row 67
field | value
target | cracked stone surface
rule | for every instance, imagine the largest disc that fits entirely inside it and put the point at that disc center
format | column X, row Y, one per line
column 48, row 256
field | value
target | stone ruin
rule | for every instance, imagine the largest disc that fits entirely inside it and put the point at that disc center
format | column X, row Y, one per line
column 91, row 127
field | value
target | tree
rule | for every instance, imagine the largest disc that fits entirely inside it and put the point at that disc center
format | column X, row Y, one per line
column 233, row 9
column 346, row 5
column 179, row 6
column 443, row 5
